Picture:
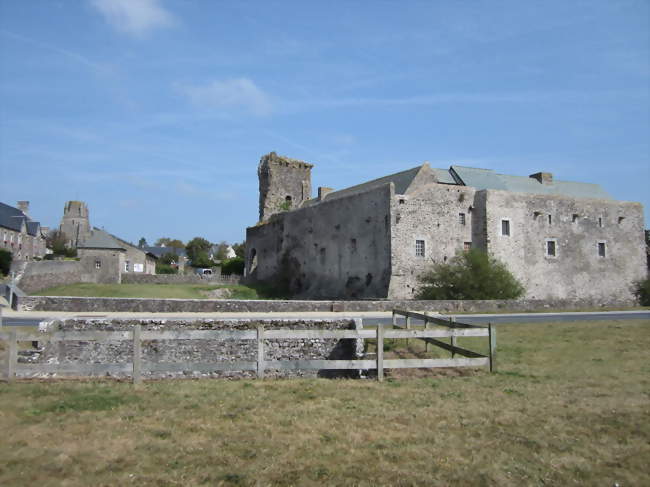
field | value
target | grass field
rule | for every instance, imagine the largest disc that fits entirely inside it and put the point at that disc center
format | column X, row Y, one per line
column 570, row 405
column 183, row 291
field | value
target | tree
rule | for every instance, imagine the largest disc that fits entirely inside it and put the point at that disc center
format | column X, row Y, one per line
column 57, row 240
column 168, row 242
column 142, row 242
column 167, row 264
column 642, row 291
column 197, row 251
column 5, row 261
column 240, row 249
column 470, row 275
column 232, row 266
column 222, row 251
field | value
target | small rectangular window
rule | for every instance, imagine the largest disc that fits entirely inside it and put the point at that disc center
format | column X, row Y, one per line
column 602, row 249
column 467, row 246
column 551, row 250
column 98, row 264
column 126, row 266
column 575, row 217
column 505, row 228
column 419, row 248
column 461, row 218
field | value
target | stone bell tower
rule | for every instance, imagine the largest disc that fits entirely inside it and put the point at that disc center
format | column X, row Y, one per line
column 75, row 223
column 284, row 184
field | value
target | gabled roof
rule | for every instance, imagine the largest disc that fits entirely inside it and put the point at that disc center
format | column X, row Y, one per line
column 488, row 179
column 13, row 219
column 160, row 251
column 100, row 239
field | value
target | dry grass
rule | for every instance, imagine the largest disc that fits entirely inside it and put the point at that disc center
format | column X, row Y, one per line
column 570, row 406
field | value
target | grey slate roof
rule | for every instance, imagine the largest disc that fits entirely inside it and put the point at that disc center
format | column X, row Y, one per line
column 100, row 239
column 402, row 181
column 488, row 179
column 12, row 218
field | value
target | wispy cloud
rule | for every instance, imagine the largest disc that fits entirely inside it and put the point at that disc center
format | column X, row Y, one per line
column 134, row 17
column 236, row 93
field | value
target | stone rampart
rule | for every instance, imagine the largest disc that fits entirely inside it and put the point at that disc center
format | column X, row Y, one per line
column 49, row 273
column 203, row 350
column 132, row 278
column 81, row 304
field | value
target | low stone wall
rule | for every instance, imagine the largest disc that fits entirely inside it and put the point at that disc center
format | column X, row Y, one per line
column 37, row 276
column 202, row 351
column 132, row 278
column 78, row 304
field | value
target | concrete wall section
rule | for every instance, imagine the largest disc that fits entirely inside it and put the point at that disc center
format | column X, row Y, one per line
column 440, row 220
column 335, row 248
column 574, row 228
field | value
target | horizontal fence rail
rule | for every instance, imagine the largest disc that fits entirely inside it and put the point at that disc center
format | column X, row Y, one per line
column 137, row 366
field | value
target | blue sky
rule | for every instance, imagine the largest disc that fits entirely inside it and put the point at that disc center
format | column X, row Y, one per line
column 156, row 112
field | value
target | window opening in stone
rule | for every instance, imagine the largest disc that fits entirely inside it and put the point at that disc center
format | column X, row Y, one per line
column 550, row 220
column 505, row 228
column 620, row 219
column 551, row 250
column 461, row 218
column 600, row 222
column 467, row 246
column 575, row 217
column 419, row 248
column 253, row 260
column 98, row 264
column 602, row 250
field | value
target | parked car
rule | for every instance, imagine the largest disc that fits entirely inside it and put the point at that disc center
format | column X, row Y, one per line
column 203, row 271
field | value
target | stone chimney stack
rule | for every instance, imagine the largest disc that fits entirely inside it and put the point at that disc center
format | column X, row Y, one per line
column 323, row 191
column 23, row 206
column 543, row 177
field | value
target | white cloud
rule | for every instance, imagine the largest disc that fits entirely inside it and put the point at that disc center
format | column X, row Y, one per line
column 230, row 93
column 135, row 17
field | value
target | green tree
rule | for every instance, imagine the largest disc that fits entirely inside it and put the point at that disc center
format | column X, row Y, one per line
column 470, row 275
column 57, row 240
column 5, row 261
column 142, row 242
column 197, row 251
column 168, row 242
column 642, row 292
column 240, row 249
column 222, row 249
column 232, row 266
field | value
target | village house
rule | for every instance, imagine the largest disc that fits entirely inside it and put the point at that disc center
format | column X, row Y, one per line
column 19, row 234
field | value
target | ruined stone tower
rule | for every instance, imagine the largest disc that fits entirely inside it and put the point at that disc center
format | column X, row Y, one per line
column 75, row 223
column 284, row 184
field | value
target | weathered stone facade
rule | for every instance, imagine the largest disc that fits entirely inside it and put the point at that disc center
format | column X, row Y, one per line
column 75, row 223
column 19, row 234
column 563, row 240
column 284, row 184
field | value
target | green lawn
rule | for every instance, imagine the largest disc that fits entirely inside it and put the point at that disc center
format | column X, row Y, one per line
column 184, row 291
column 570, row 405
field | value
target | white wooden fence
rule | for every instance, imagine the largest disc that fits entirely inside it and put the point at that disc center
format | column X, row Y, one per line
column 12, row 367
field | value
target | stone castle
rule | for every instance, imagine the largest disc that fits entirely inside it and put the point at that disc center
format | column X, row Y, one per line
column 561, row 239
column 75, row 223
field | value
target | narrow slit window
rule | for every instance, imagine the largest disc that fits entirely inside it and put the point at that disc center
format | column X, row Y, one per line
column 419, row 248
column 505, row 228
column 550, row 220
column 600, row 222
column 602, row 249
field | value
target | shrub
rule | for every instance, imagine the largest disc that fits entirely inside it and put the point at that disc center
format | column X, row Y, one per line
column 232, row 266
column 5, row 261
column 470, row 275
column 642, row 292
column 162, row 268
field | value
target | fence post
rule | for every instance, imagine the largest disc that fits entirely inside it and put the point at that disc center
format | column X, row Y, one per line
column 380, row 352
column 426, row 327
column 137, row 355
column 452, row 341
column 492, row 332
column 394, row 319
column 408, row 327
column 11, row 357
column 260, row 352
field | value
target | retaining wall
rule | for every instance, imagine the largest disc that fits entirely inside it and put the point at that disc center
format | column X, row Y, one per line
column 49, row 273
column 132, row 278
column 202, row 350
column 79, row 304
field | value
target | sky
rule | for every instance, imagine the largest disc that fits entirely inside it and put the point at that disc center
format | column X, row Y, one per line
column 156, row 112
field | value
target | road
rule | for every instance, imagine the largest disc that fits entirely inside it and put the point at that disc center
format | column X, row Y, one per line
column 369, row 318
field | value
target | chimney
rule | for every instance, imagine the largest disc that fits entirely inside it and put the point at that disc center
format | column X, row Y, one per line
column 543, row 177
column 23, row 206
column 323, row 191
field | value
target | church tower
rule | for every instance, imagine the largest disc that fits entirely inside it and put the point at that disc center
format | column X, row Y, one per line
column 75, row 223
column 284, row 184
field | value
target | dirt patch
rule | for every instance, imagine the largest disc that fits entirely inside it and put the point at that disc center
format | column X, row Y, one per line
column 221, row 293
